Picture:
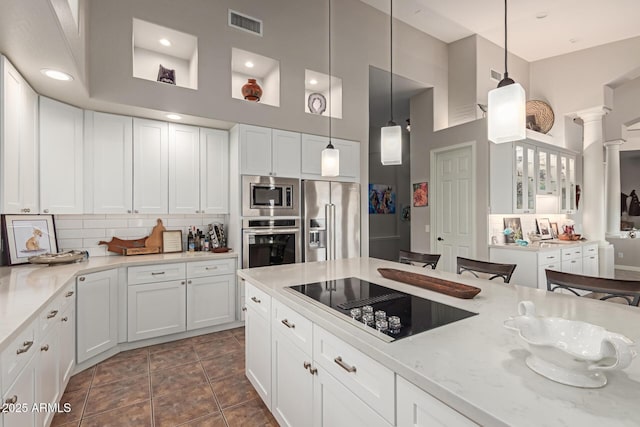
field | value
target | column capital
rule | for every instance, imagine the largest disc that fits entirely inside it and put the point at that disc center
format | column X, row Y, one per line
column 614, row 142
column 593, row 113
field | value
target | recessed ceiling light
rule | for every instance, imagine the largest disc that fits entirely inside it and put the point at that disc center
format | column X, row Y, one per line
column 165, row 42
column 313, row 82
column 55, row 74
column 174, row 116
column 248, row 64
column 542, row 15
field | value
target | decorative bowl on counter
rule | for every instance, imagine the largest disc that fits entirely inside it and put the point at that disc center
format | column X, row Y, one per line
column 568, row 351
column 565, row 236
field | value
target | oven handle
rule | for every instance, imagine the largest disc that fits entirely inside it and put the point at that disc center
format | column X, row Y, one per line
column 270, row 230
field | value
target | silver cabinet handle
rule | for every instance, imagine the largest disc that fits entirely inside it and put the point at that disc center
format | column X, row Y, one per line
column 153, row 273
column 25, row 347
column 12, row 400
column 306, row 365
column 46, row 211
column 44, row 347
column 52, row 314
column 343, row 365
column 70, row 293
column 128, row 210
column 211, row 268
column 256, row 300
column 189, row 281
column 64, row 319
column 82, row 279
column 135, row 211
column 313, row 371
column 286, row 323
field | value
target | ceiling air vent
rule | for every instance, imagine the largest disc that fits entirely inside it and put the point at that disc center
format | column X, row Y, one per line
column 245, row 23
column 495, row 75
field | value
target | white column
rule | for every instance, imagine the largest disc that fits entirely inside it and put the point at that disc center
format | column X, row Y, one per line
column 593, row 195
column 612, row 190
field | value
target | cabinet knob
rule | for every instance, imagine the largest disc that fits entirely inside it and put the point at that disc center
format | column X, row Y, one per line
column 128, row 210
column 135, row 211
column 64, row 319
column 182, row 283
column 46, row 211
column 82, row 279
column 44, row 347
column 189, row 281
column 244, row 308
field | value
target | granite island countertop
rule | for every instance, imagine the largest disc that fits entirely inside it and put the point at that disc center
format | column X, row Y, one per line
column 475, row 365
column 27, row 289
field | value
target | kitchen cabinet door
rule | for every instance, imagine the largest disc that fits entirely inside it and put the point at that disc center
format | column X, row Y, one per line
column 211, row 301
column 184, row 169
column 349, row 159
column 590, row 265
column 61, row 158
column 22, row 395
column 292, row 387
column 150, row 166
column 547, row 172
column 108, row 150
column 255, row 150
column 524, row 185
column 97, row 313
column 18, row 142
column 67, row 360
column 258, row 353
column 156, row 309
column 335, row 405
column 311, row 162
column 572, row 266
column 567, row 179
column 47, row 381
column 214, row 171
column 285, row 154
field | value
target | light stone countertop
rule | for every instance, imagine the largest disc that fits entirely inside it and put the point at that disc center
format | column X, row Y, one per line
column 544, row 245
column 476, row 365
column 26, row 289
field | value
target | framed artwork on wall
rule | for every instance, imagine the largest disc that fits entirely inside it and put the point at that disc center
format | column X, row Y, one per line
column 382, row 199
column 421, row 194
column 28, row 235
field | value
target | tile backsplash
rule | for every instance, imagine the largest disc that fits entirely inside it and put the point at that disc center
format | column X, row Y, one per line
column 83, row 232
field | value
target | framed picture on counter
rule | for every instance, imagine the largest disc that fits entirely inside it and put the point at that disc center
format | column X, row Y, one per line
column 544, row 228
column 28, row 235
column 554, row 230
column 171, row 241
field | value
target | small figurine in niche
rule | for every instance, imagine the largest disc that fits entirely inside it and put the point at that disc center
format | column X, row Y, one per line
column 165, row 75
column 634, row 206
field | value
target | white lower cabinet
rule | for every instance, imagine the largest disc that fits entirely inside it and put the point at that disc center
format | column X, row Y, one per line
column 211, row 301
column 47, row 381
column 97, row 313
column 20, row 397
column 156, row 309
column 67, row 360
column 417, row 408
column 258, row 352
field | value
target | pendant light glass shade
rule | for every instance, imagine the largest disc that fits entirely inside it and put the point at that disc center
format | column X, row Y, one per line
column 507, row 114
column 330, row 161
column 391, row 145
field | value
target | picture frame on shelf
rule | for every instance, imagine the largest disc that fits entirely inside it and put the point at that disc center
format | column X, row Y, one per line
column 514, row 224
column 171, row 241
column 28, row 235
column 554, row 230
column 544, row 228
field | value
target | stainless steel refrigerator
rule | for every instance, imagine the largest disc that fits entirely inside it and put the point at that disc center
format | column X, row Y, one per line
column 331, row 220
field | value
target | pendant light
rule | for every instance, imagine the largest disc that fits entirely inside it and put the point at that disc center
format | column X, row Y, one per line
column 507, row 105
column 330, row 155
column 391, row 134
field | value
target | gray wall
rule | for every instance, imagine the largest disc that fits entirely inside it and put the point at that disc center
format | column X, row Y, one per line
column 462, row 81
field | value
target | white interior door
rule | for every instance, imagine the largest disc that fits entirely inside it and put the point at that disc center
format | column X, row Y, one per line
column 452, row 173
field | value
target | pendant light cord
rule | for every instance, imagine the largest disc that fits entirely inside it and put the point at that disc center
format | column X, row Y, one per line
column 391, row 60
column 506, row 72
column 330, row 145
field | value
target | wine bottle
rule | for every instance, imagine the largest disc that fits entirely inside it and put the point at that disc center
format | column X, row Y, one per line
column 190, row 243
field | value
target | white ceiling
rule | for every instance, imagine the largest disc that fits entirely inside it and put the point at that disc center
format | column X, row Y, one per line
column 569, row 25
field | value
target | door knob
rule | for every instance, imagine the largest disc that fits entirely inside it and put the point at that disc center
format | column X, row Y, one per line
column 440, row 239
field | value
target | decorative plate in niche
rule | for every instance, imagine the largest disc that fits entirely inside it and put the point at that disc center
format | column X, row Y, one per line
column 540, row 116
column 317, row 103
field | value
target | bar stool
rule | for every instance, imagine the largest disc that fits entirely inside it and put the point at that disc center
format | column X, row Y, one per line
column 628, row 290
column 492, row 268
column 407, row 257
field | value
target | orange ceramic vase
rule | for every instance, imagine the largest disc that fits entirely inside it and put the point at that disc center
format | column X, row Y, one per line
column 252, row 91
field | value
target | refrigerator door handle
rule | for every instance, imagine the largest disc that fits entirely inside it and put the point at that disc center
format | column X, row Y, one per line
column 330, row 215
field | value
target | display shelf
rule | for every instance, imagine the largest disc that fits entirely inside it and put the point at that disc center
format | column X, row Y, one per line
column 155, row 45
column 266, row 71
column 316, row 94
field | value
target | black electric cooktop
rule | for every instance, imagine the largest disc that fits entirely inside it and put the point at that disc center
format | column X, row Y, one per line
column 416, row 314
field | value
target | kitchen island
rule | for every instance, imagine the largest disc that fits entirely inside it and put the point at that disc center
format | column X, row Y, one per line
column 475, row 365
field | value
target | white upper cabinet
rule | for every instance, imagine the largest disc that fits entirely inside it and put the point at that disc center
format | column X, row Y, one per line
column 567, row 173
column 269, row 152
column 547, row 172
column 214, row 171
column 18, row 142
column 184, row 169
column 108, row 151
column 61, row 159
column 150, row 166
column 312, row 146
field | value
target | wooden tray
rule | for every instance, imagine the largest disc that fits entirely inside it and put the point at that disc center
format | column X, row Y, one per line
column 446, row 287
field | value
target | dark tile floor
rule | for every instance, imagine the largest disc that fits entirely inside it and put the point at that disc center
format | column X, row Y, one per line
column 194, row 382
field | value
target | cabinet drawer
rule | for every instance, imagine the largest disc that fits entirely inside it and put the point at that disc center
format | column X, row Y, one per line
column 571, row 253
column 548, row 257
column 366, row 378
column 18, row 353
column 257, row 300
column 418, row 408
column 590, row 250
column 49, row 316
column 155, row 273
column 212, row 267
column 292, row 325
column 68, row 296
